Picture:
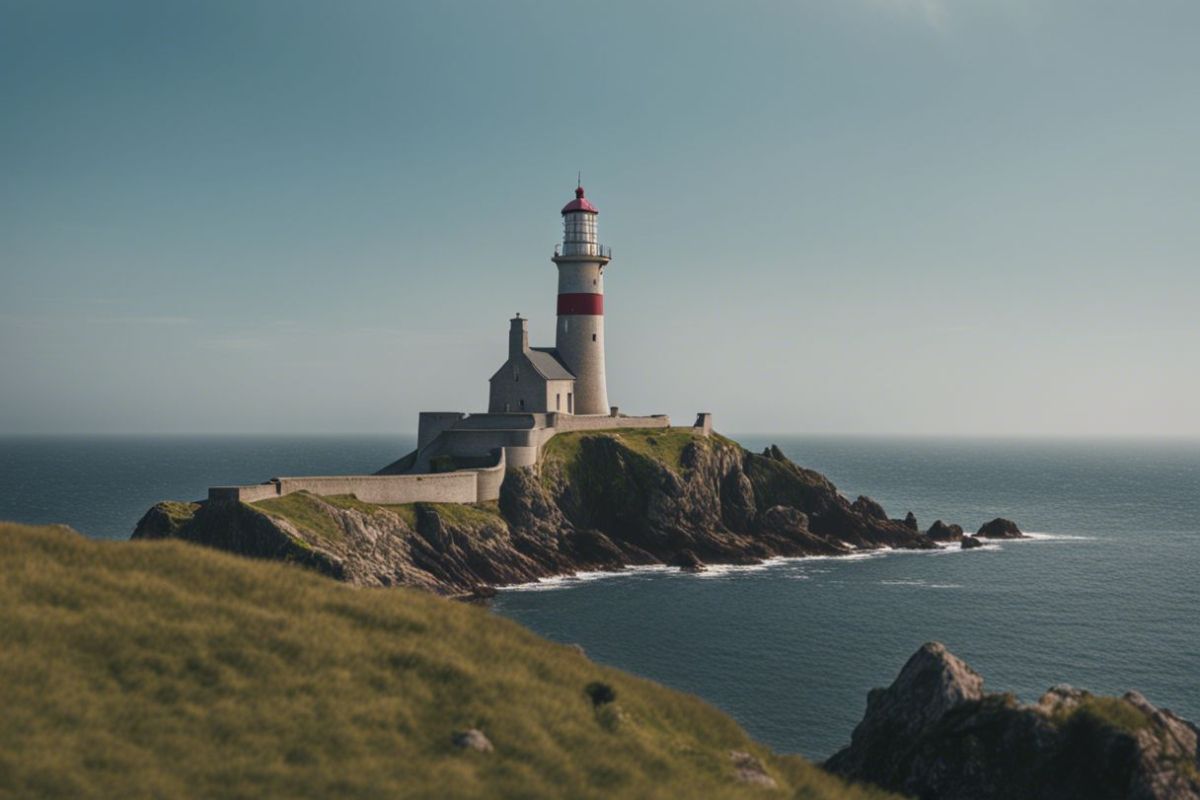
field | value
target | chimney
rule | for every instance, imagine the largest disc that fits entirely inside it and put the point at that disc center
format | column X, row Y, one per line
column 518, row 336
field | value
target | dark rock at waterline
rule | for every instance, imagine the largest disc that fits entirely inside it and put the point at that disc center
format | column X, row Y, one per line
column 941, row 532
column 934, row 733
column 969, row 542
column 1000, row 528
column 687, row 561
column 868, row 508
column 910, row 521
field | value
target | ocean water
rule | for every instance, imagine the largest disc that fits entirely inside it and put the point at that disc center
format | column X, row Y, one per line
column 1107, row 596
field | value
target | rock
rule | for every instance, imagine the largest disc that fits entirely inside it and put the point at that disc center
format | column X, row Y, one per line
column 910, row 521
column 969, row 542
column 934, row 733
column 609, row 506
column 868, row 508
column 751, row 770
column 932, row 682
column 941, row 532
column 1000, row 528
column 687, row 561
column 472, row 739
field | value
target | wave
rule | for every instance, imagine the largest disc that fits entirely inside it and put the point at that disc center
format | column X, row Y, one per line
column 587, row 576
column 853, row 554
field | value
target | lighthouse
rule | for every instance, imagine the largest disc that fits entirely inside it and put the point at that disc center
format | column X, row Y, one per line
column 579, row 337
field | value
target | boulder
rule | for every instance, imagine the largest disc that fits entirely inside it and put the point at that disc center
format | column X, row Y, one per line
column 472, row 739
column 751, row 770
column 1000, row 528
column 934, row 733
column 910, row 521
column 941, row 532
column 687, row 561
column 868, row 508
column 969, row 542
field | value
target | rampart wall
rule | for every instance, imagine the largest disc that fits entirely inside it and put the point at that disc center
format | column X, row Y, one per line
column 461, row 486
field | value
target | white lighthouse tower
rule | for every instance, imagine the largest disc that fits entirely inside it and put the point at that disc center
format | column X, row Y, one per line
column 579, row 338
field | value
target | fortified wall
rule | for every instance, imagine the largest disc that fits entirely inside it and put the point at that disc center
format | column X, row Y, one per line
column 475, row 449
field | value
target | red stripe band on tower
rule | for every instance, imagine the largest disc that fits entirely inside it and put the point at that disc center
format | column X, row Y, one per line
column 581, row 303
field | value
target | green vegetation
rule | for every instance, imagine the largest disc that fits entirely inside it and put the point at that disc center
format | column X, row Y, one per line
column 1112, row 712
column 162, row 669
column 311, row 513
column 178, row 513
column 470, row 516
column 664, row 445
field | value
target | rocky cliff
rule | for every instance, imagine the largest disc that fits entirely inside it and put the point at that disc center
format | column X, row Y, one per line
column 597, row 501
column 934, row 733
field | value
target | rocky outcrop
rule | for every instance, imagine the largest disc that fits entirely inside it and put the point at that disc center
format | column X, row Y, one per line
column 597, row 501
column 1000, row 528
column 868, row 508
column 970, row 542
column 934, row 733
column 941, row 532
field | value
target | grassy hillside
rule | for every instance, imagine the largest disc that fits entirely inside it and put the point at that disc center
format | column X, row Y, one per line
column 163, row 669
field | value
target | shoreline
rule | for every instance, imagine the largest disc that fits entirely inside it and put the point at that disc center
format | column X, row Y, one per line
column 570, row 580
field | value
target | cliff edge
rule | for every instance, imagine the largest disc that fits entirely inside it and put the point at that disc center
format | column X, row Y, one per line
column 597, row 501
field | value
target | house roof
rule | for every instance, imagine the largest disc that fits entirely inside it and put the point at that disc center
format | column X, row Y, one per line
column 545, row 361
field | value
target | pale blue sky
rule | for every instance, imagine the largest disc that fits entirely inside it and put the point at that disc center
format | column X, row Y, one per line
column 871, row 216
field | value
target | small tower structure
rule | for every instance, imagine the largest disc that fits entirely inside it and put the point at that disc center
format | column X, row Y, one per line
column 579, row 336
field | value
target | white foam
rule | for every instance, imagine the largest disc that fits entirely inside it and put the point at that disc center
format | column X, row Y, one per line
column 851, row 554
column 921, row 583
column 568, row 581
column 1054, row 537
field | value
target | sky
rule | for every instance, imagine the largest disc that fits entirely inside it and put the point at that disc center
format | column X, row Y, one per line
column 914, row 217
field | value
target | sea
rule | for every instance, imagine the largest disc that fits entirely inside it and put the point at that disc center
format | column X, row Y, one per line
column 1105, row 595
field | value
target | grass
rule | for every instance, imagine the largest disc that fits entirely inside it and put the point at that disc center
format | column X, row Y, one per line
column 162, row 669
column 310, row 513
column 664, row 445
column 477, row 515
column 178, row 513
column 1112, row 712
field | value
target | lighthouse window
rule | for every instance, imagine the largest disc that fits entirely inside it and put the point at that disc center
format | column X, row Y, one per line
column 522, row 404
column 593, row 337
column 516, row 374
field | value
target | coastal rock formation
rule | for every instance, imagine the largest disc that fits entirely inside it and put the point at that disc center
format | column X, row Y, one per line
column 1000, row 528
column 597, row 501
column 969, row 542
column 934, row 733
column 941, row 532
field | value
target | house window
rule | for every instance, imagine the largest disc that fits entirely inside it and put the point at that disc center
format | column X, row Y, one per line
column 570, row 402
column 558, row 402
column 522, row 403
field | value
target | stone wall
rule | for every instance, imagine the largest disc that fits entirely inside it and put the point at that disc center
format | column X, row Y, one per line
column 461, row 486
column 567, row 422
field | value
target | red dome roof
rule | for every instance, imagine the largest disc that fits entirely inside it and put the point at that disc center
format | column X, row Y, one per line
column 580, row 203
